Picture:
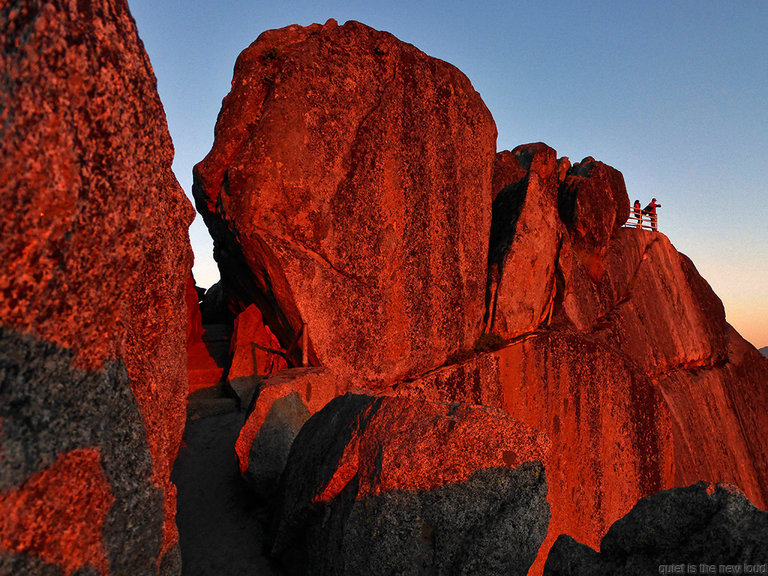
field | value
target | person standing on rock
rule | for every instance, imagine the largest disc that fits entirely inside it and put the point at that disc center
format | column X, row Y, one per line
column 651, row 211
column 638, row 212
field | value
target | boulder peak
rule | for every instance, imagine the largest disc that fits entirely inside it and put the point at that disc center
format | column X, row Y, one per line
column 328, row 208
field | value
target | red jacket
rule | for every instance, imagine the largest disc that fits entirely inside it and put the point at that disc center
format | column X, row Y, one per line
column 651, row 208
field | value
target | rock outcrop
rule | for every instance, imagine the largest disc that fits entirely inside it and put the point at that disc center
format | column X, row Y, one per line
column 616, row 348
column 92, row 315
column 545, row 214
column 348, row 188
column 384, row 485
column 704, row 525
column 525, row 239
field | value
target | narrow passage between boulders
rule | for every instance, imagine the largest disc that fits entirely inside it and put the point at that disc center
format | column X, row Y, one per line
column 220, row 523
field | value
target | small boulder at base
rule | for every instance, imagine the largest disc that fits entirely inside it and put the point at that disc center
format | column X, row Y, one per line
column 271, row 446
column 283, row 403
column 712, row 524
column 389, row 485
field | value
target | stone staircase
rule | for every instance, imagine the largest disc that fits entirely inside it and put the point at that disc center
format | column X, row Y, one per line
column 207, row 363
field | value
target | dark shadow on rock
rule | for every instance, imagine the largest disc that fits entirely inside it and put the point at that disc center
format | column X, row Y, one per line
column 48, row 408
column 700, row 524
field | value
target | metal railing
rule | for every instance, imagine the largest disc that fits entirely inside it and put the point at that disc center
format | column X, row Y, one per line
column 301, row 339
column 643, row 220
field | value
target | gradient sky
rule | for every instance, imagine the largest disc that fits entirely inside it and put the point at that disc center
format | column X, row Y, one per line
column 674, row 95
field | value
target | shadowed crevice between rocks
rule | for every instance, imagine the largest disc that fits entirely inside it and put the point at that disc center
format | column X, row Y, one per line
column 245, row 282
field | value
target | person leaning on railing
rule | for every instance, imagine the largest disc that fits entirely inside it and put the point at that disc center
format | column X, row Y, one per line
column 651, row 211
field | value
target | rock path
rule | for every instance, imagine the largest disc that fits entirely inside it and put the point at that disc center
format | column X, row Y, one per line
column 220, row 523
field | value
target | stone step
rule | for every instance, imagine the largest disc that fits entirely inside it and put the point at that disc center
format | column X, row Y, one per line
column 217, row 333
column 204, row 407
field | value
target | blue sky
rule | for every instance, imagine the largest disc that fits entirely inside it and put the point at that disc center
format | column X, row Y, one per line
column 673, row 94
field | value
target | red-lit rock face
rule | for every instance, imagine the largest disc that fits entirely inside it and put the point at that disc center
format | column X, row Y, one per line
column 609, row 426
column 657, row 308
column 525, row 240
column 594, row 205
column 663, row 322
column 719, row 416
column 251, row 345
column 194, row 318
column 610, row 429
column 349, row 187
column 95, row 252
column 206, row 362
column 629, row 367
column 403, row 444
column 204, row 368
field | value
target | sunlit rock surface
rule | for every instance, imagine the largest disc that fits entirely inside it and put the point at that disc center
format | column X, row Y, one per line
column 627, row 363
column 609, row 426
column 95, row 258
column 525, row 240
column 254, row 349
column 348, row 187
column 593, row 204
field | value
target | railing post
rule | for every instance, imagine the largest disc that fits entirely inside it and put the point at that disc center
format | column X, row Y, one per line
column 641, row 222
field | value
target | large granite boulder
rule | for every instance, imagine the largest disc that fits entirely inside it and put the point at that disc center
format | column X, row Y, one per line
column 593, row 204
column 700, row 529
column 348, row 188
column 525, row 240
column 95, row 260
column 386, row 485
